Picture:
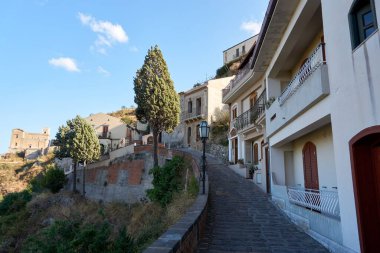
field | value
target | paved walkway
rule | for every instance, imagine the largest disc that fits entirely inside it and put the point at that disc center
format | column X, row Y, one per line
column 241, row 219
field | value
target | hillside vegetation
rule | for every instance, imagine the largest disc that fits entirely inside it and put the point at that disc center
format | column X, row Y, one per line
column 127, row 115
column 38, row 220
column 15, row 174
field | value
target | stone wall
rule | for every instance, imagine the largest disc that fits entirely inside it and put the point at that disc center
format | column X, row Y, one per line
column 218, row 151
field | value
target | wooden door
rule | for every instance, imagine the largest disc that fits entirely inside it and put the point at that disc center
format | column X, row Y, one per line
column 365, row 162
column 310, row 166
column 236, row 150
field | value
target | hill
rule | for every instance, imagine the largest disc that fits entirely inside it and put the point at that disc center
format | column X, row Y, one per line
column 127, row 115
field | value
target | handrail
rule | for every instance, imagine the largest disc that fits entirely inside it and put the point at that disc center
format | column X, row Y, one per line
column 316, row 59
column 250, row 116
column 324, row 201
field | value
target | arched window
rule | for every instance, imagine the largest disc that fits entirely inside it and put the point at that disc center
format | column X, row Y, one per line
column 362, row 19
column 255, row 153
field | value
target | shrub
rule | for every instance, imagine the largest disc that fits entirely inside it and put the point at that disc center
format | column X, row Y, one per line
column 193, row 186
column 73, row 236
column 166, row 181
column 55, row 179
column 14, row 202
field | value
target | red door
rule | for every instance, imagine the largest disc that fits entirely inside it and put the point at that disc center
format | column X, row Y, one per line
column 365, row 160
column 310, row 166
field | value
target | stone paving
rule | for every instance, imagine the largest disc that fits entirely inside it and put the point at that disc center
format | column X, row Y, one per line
column 242, row 219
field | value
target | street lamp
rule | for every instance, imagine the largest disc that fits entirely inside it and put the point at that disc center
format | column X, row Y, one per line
column 204, row 130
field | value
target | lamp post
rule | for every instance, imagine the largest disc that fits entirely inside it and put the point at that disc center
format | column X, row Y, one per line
column 204, row 130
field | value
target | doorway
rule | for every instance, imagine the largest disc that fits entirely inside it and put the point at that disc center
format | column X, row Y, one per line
column 267, row 165
column 235, row 150
column 310, row 166
column 365, row 164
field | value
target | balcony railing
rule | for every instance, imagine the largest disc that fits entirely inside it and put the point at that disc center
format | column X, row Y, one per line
column 239, row 76
column 316, row 59
column 323, row 201
column 249, row 117
column 192, row 115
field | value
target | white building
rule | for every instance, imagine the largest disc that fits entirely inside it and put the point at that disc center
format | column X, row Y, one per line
column 112, row 132
column 239, row 50
column 246, row 98
column 323, row 122
column 197, row 104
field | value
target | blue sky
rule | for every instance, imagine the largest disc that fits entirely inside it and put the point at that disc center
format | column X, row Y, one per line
column 59, row 59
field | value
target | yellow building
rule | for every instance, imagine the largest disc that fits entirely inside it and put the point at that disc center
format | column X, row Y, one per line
column 22, row 141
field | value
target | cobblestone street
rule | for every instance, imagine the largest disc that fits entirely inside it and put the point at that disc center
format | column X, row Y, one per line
column 241, row 218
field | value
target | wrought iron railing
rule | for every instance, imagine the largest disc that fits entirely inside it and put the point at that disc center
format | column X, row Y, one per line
column 239, row 76
column 323, row 201
column 250, row 116
column 316, row 59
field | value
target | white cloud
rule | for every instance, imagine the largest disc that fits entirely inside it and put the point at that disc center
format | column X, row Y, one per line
column 108, row 33
column 66, row 63
column 102, row 71
column 252, row 27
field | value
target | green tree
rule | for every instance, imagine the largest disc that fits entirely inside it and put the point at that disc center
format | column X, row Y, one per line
column 78, row 140
column 155, row 96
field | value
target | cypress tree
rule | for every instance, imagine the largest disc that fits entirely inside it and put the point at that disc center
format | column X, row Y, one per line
column 155, row 96
column 78, row 140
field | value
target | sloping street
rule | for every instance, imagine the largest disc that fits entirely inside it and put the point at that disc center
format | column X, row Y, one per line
column 242, row 219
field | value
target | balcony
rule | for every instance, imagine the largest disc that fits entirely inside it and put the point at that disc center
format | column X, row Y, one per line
column 322, row 201
column 308, row 87
column 249, row 117
column 238, row 81
column 192, row 116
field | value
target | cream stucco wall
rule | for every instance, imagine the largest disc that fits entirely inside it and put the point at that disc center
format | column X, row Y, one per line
column 230, row 53
column 118, row 132
column 322, row 139
column 354, row 78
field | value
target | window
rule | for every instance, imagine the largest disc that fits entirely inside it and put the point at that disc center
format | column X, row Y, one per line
column 16, row 136
column 105, row 131
column 16, row 144
column 30, row 145
column 362, row 20
column 237, row 52
column 189, row 135
column 243, row 50
column 190, row 106
column 234, row 113
column 199, row 106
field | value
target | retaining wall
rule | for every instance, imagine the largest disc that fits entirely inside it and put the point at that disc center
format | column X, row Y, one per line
column 185, row 235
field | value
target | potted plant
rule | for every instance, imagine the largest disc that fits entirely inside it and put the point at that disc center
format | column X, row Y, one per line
column 249, row 170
